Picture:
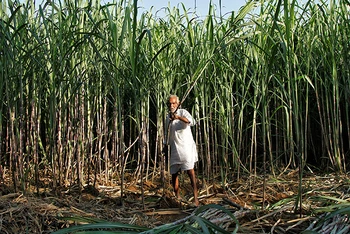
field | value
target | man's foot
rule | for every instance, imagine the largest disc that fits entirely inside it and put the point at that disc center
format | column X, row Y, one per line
column 196, row 202
column 193, row 205
column 178, row 198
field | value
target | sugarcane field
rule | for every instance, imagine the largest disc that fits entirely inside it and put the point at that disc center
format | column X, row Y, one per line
column 119, row 119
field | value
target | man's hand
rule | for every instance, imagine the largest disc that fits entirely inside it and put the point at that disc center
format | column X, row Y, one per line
column 173, row 116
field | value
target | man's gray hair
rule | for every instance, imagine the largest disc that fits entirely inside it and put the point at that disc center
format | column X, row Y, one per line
column 175, row 96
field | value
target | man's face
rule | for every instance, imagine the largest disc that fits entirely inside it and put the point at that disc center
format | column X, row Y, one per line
column 173, row 104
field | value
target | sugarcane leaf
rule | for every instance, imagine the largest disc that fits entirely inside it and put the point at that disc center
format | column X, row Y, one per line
column 102, row 225
column 215, row 206
column 330, row 198
column 201, row 223
column 342, row 211
column 211, row 226
column 191, row 229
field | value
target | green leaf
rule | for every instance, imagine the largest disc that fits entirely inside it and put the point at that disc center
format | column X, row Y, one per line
column 215, row 206
column 103, row 225
column 309, row 232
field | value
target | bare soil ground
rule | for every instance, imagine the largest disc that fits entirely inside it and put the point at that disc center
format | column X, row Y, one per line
column 44, row 212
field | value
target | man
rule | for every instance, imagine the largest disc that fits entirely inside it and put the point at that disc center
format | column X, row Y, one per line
column 183, row 151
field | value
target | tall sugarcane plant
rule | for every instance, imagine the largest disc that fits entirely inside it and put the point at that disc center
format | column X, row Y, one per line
column 84, row 86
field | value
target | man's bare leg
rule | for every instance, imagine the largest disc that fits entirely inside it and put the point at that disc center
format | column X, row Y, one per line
column 175, row 181
column 192, row 176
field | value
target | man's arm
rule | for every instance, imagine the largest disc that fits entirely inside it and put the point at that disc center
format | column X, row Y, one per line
column 182, row 118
